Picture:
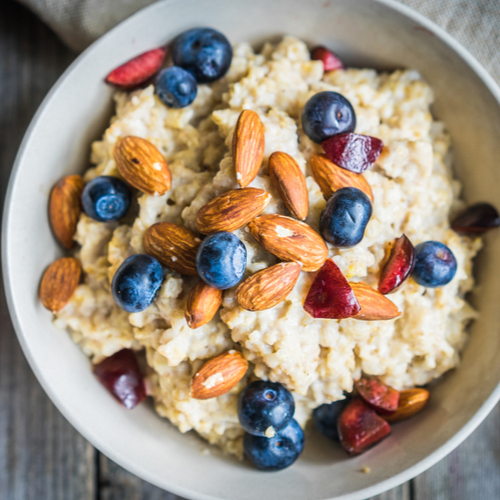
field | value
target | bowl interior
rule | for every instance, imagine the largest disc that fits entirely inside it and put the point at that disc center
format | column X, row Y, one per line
column 365, row 33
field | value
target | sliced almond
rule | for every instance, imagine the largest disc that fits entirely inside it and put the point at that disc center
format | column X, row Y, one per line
column 174, row 246
column 59, row 282
column 65, row 208
column 142, row 165
column 219, row 375
column 232, row 210
column 289, row 181
column 248, row 146
column 202, row 304
column 268, row 287
column 290, row 240
column 410, row 403
column 374, row 305
column 331, row 178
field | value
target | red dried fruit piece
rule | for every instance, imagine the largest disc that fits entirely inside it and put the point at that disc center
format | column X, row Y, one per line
column 354, row 152
column 399, row 266
column 330, row 295
column 330, row 60
column 382, row 398
column 476, row 219
column 138, row 70
column 122, row 377
column 360, row 427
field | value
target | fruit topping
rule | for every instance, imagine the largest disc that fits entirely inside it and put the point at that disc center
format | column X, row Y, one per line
column 377, row 395
column 176, row 87
column 330, row 295
column 435, row 264
column 477, row 219
column 106, row 199
column 277, row 452
column 221, row 260
column 330, row 60
column 374, row 305
column 59, row 282
column 138, row 70
column 360, row 427
column 354, row 152
column 263, row 405
column 202, row 304
column 136, row 282
column 410, row 403
column 345, row 217
column 219, row 375
column 399, row 266
column 325, row 418
column 327, row 114
column 204, row 52
column 121, row 376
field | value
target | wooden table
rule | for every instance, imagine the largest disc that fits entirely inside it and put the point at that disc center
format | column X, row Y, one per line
column 41, row 456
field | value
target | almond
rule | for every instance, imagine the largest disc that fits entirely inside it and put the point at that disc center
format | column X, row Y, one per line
column 174, row 246
column 65, row 208
column 331, row 178
column 410, row 403
column 289, row 181
column 202, row 304
column 374, row 305
column 290, row 240
column 59, row 282
column 142, row 165
column 232, row 210
column 268, row 287
column 248, row 146
column 219, row 375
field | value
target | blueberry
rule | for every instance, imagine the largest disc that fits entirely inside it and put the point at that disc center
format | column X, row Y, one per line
column 221, row 260
column 265, row 404
column 344, row 219
column 435, row 264
column 106, row 198
column 204, row 52
column 176, row 87
column 136, row 282
column 327, row 114
column 325, row 418
column 278, row 452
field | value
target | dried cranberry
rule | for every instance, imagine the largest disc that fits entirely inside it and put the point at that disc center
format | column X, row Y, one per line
column 399, row 266
column 330, row 60
column 382, row 398
column 476, row 219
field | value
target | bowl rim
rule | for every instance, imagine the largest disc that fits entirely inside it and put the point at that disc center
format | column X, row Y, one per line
column 87, row 433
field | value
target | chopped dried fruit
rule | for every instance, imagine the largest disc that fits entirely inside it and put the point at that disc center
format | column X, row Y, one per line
column 399, row 266
column 360, row 427
column 138, row 70
column 410, row 403
column 382, row 398
column 122, row 377
column 330, row 60
column 476, row 219
column 330, row 295
column 354, row 152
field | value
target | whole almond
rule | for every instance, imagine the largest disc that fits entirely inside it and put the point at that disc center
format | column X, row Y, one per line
column 290, row 240
column 202, row 304
column 374, row 305
column 65, row 208
column 249, row 140
column 142, row 165
column 331, row 178
column 219, row 375
column 410, row 403
column 174, row 246
column 59, row 282
column 232, row 210
column 268, row 287
column 289, row 181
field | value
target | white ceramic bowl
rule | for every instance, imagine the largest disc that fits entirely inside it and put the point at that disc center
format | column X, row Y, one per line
column 380, row 34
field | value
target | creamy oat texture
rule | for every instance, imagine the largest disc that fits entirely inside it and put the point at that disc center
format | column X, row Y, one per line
column 317, row 359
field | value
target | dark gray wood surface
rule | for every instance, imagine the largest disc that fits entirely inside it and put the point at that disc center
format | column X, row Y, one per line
column 41, row 456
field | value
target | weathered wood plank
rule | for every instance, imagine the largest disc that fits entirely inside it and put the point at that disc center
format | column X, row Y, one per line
column 402, row 492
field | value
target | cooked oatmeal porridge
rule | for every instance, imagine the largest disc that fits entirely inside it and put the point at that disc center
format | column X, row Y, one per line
column 318, row 360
